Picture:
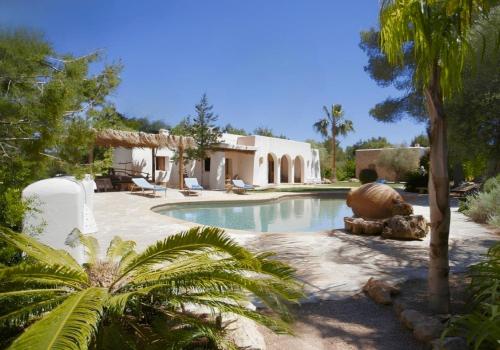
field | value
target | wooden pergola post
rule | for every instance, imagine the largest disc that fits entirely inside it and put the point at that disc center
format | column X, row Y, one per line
column 153, row 163
column 180, row 149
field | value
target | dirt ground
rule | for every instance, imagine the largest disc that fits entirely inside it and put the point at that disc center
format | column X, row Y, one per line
column 359, row 323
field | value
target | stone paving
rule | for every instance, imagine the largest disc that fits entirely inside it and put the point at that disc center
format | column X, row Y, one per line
column 332, row 265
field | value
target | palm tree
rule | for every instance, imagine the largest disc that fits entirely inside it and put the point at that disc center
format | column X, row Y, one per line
column 439, row 32
column 332, row 125
column 140, row 300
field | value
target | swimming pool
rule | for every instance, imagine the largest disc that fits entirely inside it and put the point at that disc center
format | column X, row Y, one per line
column 289, row 214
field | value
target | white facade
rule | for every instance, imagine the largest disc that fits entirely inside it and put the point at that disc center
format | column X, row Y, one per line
column 63, row 205
column 257, row 160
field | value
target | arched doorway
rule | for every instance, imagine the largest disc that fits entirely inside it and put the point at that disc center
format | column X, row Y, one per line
column 271, row 168
column 298, row 170
column 285, row 167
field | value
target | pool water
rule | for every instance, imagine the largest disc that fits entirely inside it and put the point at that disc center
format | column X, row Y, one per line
column 299, row 214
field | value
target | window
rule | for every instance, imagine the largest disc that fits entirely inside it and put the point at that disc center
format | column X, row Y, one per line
column 207, row 164
column 161, row 163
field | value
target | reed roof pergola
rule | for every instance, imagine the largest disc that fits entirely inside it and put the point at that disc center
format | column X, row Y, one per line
column 132, row 139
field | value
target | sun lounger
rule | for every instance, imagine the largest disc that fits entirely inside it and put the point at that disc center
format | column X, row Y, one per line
column 239, row 185
column 192, row 185
column 146, row 186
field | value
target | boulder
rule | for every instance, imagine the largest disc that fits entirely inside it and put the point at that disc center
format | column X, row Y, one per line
column 410, row 318
column 244, row 333
column 406, row 227
column 428, row 329
column 425, row 328
column 363, row 227
column 377, row 201
column 399, row 307
column 380, row 291
column 449, row 343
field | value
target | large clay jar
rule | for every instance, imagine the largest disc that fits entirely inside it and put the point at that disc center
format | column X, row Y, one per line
column 377, row 201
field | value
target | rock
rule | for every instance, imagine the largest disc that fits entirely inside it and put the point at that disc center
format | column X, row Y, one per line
column 377, row 201
column 399, row 307
column 380, row 291
column 450, row 343
column 245, row 333
column 363, row 227
column 402, row 208
column 406, row 227
column 410, row 318
column 428, row 329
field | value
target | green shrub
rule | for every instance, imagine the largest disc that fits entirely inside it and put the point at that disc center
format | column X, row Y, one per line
column 481, row 327
column 326, row 173
column 491, row 184
column 346, row 170
column 368, row 175
column 414, row 180
column 484, row 207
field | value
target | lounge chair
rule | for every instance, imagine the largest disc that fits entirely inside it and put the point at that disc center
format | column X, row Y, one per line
column 192, row 185
column 239, row 185
column 146, row 186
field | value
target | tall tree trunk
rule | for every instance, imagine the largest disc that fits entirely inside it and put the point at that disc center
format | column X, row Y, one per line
column 90, row 155
column 334, row 153
column 180, row 149
column 439, row 291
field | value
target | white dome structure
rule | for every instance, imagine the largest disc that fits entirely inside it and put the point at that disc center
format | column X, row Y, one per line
column 62, row 205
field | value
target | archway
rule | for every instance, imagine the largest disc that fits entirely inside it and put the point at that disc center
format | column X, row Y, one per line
column 298, row 170
column 272, row 165
column 285, row 168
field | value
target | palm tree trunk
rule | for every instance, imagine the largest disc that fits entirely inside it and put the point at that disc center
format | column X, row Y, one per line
column 439, row 291
column 334, row 153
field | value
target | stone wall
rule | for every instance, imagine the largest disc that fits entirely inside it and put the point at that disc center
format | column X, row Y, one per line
column 367, row 158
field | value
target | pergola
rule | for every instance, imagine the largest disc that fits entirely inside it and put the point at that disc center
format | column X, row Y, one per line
column 132, row 139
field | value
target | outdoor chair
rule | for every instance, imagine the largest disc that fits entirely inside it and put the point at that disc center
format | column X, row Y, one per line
column 192, row 185
column 146, row 186
column 240, row 186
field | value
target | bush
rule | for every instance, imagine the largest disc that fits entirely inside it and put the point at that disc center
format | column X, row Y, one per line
column 481, row 327
column 326, row 173
column 414, row 180
column 491, row 184
column 368, row 175
column 484, row 207
column 347, row 170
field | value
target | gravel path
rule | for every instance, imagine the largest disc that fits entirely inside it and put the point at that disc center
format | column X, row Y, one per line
column 352, row 323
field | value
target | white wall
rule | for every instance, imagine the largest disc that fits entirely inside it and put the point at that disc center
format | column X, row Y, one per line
column 280, row 148
column 63, row 204
column 252, row 168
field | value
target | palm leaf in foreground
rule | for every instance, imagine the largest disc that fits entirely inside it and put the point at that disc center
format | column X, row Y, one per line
column 70, row 326
column 144, row 296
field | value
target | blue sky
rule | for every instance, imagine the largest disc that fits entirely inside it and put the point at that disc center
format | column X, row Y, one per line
column 261, row 63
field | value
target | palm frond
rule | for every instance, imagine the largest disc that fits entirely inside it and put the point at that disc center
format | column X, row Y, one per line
column 322, row 126
column 40, row 275
column 327, row 113
column 20, row 315
column 119, row 248
column 220, row 306
column 38, row 251
column 91, row 247
column 69, row 326
column 344, row 127
column 198, row 239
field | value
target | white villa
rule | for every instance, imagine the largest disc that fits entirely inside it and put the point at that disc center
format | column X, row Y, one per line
column 257, row 160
